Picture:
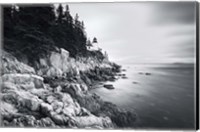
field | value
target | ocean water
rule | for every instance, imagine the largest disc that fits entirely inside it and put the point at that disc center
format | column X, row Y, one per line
column 162, row 100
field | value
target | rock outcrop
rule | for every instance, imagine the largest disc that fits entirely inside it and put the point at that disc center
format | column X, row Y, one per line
column 28, row 80
column 11, row 65
column 55, row 93
column 59, row 64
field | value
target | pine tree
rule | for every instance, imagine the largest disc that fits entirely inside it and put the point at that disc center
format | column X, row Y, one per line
column 60, row 13
column 36, row 30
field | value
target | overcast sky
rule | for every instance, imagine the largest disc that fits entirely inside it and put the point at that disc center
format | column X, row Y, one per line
column 153, row 32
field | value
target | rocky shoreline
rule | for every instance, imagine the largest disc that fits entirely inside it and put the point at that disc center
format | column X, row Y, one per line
column 57, row 94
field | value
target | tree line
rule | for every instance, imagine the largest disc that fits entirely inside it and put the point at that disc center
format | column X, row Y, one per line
column 35, row 30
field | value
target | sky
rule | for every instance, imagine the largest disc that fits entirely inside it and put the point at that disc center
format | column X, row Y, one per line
column 141, row 32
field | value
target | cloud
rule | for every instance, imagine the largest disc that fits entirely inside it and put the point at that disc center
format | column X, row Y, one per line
column 158, row 31
column 174, row 13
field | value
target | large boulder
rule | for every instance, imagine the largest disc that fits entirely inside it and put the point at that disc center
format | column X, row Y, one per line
column 46, row 108
column 59, row 59
column 55, row 64
column 22, row 100
column 32, row 104
column 54, row 72
column 7, row 86
column 73, row 89
column 70, row 107
column 8, row 111
column 59, row 119
column 57, row 106
column 56, row 60
column 66, row 98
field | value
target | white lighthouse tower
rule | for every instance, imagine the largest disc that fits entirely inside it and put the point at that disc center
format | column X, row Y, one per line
column 95, row 44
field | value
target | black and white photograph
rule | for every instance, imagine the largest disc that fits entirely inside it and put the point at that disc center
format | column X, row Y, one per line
column 114, row 65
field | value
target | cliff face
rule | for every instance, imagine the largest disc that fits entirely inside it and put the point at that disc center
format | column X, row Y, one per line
column 55, row 93
column 28, row 101
column 59, row 64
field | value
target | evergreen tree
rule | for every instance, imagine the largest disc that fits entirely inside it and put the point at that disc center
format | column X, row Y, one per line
column 35, row 30
column 60, row 13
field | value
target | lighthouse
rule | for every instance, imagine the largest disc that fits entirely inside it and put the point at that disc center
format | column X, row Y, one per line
column 95, row 44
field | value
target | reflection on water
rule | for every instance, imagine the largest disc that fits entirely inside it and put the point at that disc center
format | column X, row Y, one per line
column 164, row 99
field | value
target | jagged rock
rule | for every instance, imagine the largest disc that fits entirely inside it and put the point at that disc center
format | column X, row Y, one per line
column 8, row 111
column 77, row 108
column 35, row 103
column 11, row 65
column 10, row 85
column 46, row 108
column 73, row 89
column 28, row 86
column 58, row 63
column 24, row 121
column 59, row 119
column 66, row 98
column 85, row 79
column 7, row 86
column 58, row 89
column 43, row 62
column 32, row 103
column 54, row 72
column 85, row 112
column 57, row 106
column 41, row 93
column 21, row 79
column 84, row 87
column 69, row 111
column 90, row 121
column 10, row 98
column 50, row 99
column 46, row 122
column 30, row 121
column 57, row 59
column 22, row 99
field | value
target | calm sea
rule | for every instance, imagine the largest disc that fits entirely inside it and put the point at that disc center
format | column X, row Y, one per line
column 162, row 100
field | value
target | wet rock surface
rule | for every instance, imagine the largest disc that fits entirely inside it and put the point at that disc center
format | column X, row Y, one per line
column 108, row 86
